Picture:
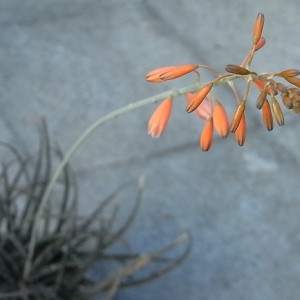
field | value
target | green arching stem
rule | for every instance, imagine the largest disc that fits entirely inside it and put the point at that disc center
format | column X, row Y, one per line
column 82, row 138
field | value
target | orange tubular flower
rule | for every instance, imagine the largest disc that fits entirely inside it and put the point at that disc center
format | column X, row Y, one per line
column 198, row 98
column 259, row 83
column 240, row 133
column 207, row 135
column 220, row 118
column 159, row 119
column 258, row 28
column 237, row 116
column 168, row 73
column 204, row 110
column 267, row 115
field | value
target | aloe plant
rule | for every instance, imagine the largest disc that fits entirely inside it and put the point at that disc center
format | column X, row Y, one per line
column 68, row 246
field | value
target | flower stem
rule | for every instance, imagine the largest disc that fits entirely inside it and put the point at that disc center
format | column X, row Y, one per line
column 82, row 138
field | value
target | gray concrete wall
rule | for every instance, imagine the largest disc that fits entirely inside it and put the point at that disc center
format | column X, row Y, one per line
column 74, row 61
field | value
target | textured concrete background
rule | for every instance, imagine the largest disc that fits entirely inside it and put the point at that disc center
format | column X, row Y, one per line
column 73, row 61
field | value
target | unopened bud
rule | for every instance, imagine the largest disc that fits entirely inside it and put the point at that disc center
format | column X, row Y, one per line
column 261, row 98
column 288, row 73
column 237, row 116
column 267, row 115
column 258, row 28
column 240, row 133
column 277, row 112
column 198, row 98
column 237, row 70
column 293, row 80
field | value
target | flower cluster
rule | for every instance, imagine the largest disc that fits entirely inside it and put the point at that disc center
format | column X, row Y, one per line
column 202, row 101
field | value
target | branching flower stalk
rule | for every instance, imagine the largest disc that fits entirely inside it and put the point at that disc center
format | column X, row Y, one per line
column 201, row 100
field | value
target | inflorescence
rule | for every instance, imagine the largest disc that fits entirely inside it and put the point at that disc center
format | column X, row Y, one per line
column 209, row 108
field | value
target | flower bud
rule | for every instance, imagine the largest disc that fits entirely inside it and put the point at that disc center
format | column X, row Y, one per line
column 267, row 115
column 277, row 112
column 237, row 116
column 261, row 98
column 258, row 28
column 237, row 70
column 293, row 80
column 207, row 135
column 199, row 97
column 220, row 118
column 159, row 119
column 204, row 110
column 240, row 133
column 168, row 73
column 288, row 73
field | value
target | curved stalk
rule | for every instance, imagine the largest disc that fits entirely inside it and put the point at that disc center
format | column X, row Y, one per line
column 82, row 138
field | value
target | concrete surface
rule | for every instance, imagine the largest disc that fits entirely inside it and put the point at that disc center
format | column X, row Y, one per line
column 73, row 61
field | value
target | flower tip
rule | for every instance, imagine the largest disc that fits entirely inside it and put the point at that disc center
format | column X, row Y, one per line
column 153, row 133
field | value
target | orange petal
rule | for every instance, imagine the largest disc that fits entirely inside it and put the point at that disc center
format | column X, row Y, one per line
column 220, row 118
column 204, row 110
column 198, row 98
column 168, row 73
column 206, row 138
column 240, row 133
column 260, row 43
column 237, row 116
column 267, row 115
column 259, row 83
column 159, row 119
column 258, row 28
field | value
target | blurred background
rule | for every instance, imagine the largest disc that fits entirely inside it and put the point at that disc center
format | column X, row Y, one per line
column 74, row 61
